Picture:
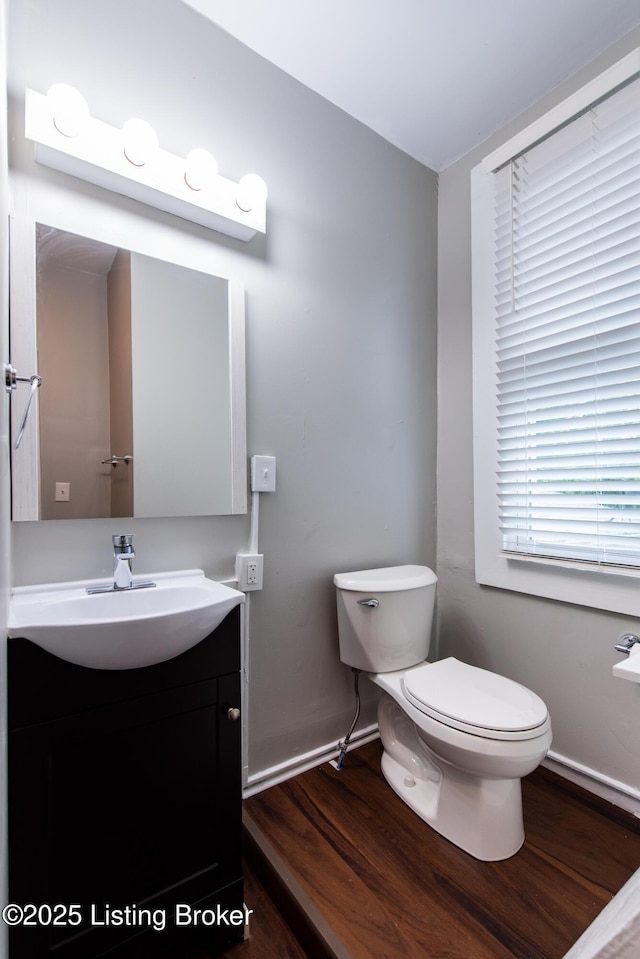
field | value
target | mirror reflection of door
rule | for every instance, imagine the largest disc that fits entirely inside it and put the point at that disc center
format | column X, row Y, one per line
column 84, row 355
column 120, row 383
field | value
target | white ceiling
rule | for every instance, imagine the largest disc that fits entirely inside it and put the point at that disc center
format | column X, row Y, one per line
column 434, row 77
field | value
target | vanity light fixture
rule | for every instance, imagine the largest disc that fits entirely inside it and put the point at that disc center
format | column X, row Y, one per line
column 68, row 108
column 252, row 192
column 130, row 161
column 139, row 141
column 200, row 169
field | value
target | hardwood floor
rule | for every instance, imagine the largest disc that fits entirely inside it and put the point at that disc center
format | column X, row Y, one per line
column 388, row 886
column 269, row 935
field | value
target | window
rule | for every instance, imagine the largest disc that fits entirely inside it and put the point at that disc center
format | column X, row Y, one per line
column 557, row 357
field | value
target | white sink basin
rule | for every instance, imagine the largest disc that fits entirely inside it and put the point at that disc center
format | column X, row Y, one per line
column 123, row 629
column 629, row 668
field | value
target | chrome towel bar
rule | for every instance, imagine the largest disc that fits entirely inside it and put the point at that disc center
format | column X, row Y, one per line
column 11, row 380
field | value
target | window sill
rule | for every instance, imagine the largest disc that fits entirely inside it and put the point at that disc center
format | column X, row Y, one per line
column 580, row 584
column 574, row 564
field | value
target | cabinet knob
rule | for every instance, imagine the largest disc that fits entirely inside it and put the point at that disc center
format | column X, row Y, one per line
column 233, row 713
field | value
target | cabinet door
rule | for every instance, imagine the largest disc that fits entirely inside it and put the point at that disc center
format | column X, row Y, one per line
column 123, row 807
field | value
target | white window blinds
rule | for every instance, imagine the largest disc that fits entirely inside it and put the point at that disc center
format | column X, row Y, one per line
column 567, row 234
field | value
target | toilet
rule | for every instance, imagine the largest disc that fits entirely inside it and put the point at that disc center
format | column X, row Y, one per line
column 456, row 739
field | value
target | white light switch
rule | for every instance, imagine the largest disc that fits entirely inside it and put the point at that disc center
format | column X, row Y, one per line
column 63, row 492
column 263, row 474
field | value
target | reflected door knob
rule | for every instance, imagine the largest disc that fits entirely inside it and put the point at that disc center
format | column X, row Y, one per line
column 233, row 713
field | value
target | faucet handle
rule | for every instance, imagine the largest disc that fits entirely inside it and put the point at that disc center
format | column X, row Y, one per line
column 626, row 643
column 123, row 542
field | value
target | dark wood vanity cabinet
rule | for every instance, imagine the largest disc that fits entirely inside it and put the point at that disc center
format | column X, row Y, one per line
column 125, row 799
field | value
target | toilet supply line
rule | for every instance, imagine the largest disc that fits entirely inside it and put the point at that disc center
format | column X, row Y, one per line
column 343, row 745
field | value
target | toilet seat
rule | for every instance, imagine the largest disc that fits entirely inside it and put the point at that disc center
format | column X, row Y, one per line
column 474, row 700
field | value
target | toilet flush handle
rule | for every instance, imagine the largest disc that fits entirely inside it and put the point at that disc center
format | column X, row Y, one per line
column 371, row 603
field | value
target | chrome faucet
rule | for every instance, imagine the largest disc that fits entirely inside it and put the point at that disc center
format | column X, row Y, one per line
column 123, row 553
column 626, row 643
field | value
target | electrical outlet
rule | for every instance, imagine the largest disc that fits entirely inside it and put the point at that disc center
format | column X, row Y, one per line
column 249, row 571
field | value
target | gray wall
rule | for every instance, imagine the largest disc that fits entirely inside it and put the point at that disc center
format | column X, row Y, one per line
column 341, row 337
column 563, row 652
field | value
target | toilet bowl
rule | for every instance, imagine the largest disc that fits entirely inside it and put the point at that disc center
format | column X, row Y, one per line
column 457, row 739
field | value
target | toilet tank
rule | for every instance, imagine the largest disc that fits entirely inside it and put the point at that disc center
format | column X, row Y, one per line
column 384, row 616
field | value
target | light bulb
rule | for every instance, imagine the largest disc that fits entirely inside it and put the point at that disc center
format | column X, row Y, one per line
column 200, row 169
column 140, row 140
column 252, row 192
column 68, row 108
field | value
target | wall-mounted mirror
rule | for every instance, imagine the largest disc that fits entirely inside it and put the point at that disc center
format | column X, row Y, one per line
column 141, row 408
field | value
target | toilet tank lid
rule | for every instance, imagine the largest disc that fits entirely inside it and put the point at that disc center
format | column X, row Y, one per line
column 387, row 579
